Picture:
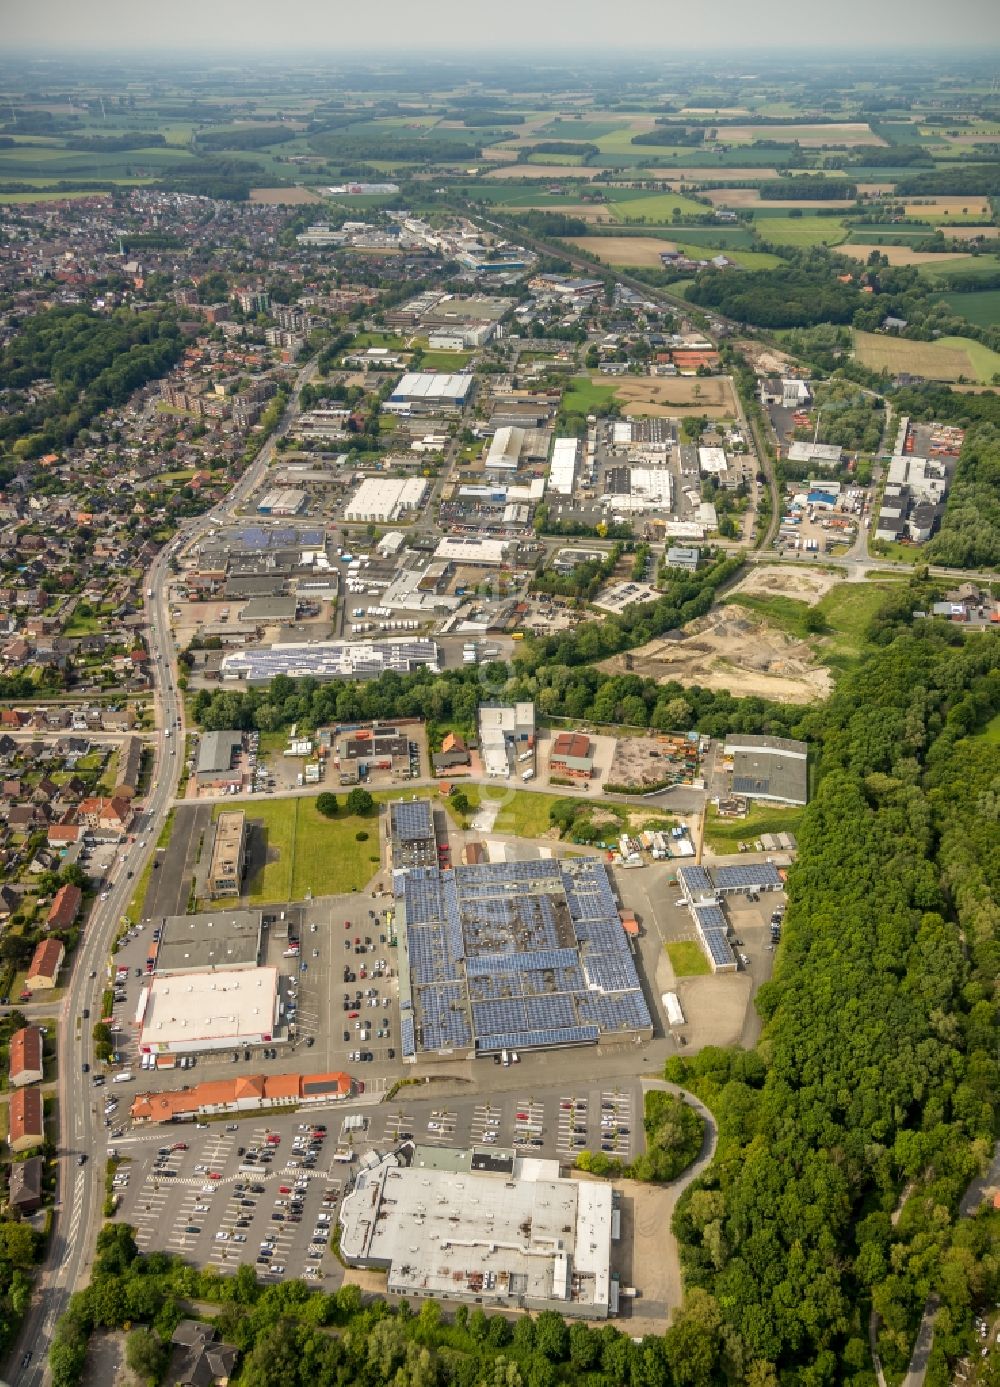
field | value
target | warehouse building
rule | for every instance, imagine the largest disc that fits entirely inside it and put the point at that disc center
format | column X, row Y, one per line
column 219, row 939
column 775, row 769
column 204, row 1011
column 217, row 767
column 820, row 454
column 573, row 756
column 505, row 730
column 282, row 501
column 383, row 500
column 330, row 660
column 562, row 469
column 225, row 870
column 516, row 956
column 467, row 549
column 428, row 392
column 492, row 1228
column 504, row 453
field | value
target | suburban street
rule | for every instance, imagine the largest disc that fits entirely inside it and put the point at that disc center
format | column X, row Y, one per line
column 80, row 1188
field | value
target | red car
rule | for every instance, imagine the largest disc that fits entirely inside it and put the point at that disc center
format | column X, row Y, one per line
column 273, row 1139
column 214, row 1175
column 347, row 924
column 284, row 1189
column 353, row 1015
column 522, row 1117
column 179, row 1146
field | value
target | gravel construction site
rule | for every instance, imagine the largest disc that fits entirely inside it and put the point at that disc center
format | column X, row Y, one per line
column 803, row 585
column 645, row 762
column 738, row 652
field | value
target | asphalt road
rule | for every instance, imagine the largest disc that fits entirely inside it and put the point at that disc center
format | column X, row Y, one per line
column 80, row 1189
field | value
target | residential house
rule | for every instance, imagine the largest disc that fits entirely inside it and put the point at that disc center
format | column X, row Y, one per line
column 26, row 1126
column 45, row 965
column 106, row 817
column 65, row 907
column 453, row 753
column 26, row 1185
column 198, row 1358
column 26, row 1056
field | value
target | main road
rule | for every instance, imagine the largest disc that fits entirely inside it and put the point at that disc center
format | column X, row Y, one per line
column 82, row 1133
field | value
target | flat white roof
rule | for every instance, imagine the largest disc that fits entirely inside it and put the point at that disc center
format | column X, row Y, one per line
column 459, row 549
column 187, row 1010
column 562, row 469
column 385, row 497
column 712, row 461
column 432, row 385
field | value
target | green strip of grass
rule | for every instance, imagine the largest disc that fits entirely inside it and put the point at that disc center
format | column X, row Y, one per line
column 687, row 958
column 725, row 835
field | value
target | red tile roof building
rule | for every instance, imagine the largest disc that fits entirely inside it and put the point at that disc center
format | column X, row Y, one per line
column 26, row 1056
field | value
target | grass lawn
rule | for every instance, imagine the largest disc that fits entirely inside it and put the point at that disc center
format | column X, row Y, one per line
column 445, row 361
column 523, row 814
column 801, row 231
column 586, row 395
column 687, row 958
column 726, row 835
column 991, row 732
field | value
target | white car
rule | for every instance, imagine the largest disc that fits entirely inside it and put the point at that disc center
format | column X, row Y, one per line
column 222, row 1236
column 276, row 1269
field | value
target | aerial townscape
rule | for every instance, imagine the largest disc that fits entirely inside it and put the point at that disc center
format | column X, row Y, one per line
column 499, row 696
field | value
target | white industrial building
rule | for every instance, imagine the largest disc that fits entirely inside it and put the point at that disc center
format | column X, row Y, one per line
column 821, row 454
column 485, row 1226
column 649, row 489
column 562, row 470
column 505, row 450
column 385, row 499
column 216, row 1010
column 712, row 462
column 329, row 660
column 470, row 550
column 426, row 391
column 925, row 477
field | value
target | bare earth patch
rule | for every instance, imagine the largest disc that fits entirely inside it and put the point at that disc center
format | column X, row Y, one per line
column 804, row 585
column 750, row 197
column 666, row 395
column 287, row 197
column 733, row 650
column 973, row 233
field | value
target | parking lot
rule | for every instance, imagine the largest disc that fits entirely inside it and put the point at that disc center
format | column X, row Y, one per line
column 262, row 1190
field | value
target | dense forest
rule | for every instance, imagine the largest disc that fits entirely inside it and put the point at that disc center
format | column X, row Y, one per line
column 801, row 294
column 877, row 1070
column 970, row 528
column 94, row 361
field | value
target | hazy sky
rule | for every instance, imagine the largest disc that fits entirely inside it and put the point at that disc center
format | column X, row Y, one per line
column 522, row 25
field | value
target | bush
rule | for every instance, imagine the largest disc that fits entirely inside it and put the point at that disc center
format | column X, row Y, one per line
column 326, row 804
column 361, row 836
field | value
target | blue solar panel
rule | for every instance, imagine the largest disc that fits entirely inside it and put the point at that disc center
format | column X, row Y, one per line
column 718, row 948
column 412, row 820
column 741, row 878
column 533, row 1040
column 695, row 881
column 710, row 917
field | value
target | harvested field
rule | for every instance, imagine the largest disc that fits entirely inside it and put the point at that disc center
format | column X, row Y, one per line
column 974, row 233
column 712, row 175
column 874, row 189
column 644, row 251
column 556, row 173
column 935, row 360
column 284, row 197
column 670, row 395
column 595, row 213
column 901, row 255
column 809, row 136
column 736, row 651
column 931, row 208
column 803, row 585
column 750, row 197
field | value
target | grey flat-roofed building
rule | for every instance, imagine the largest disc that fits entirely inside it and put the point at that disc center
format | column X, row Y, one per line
column 749, row 876
column 769, row 768
column 269, row 610
column 216, row 754
column 507, row 1232
column 227, row 939
column 680, row 556
column 411, row 828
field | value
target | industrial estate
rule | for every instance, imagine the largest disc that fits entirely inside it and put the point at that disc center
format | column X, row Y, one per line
column 499, row 722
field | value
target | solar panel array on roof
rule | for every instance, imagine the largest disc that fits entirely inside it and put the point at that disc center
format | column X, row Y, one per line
column 695, row 881
column 329, row 659
column 522, row 949
column 536, row 1040
column 742, row 878
column 407, row 1038
column 717, row 945
column 710, row 917
column 412, row 820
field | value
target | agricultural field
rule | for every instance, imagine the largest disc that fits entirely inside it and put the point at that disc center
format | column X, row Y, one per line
column 801, row 231
column 948, row 359
column 633, row 204
column 629, row 251
column 948, row 209
column 284, row 197
column 902, row 255
column 981, row 307
column 662, row 396
column 849, row 133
